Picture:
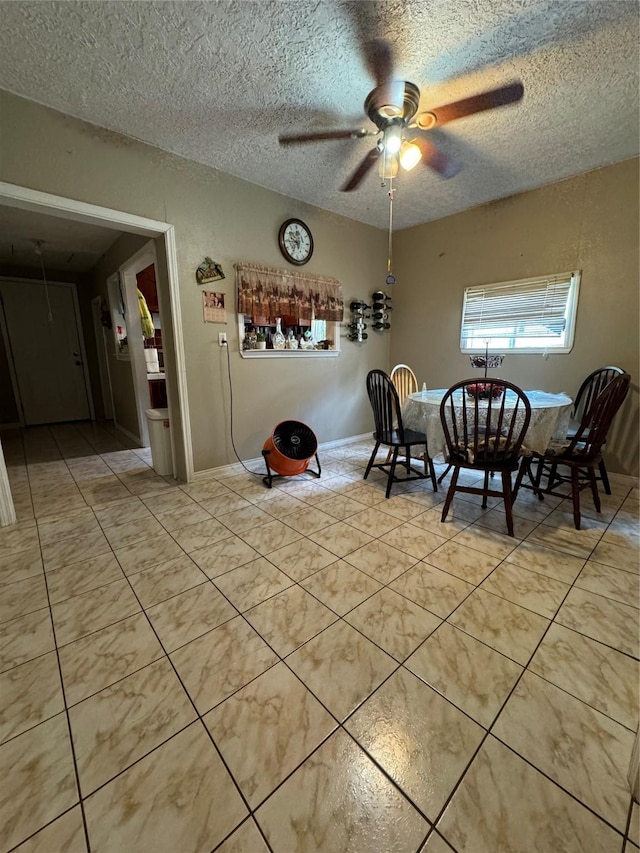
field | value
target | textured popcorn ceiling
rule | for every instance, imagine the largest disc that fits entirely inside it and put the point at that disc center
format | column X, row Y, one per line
column 218, row 81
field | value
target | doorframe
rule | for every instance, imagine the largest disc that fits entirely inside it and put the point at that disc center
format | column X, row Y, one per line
column 4, row 330
column 103, row 362
column 24, row 198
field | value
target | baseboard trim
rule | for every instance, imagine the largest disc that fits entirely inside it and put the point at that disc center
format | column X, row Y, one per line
column 257, row 465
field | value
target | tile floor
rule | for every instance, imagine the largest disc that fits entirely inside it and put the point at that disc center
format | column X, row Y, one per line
column 313, row 668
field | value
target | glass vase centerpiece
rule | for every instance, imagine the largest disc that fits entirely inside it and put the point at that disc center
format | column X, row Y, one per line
column 481, row 389
column 278, row 337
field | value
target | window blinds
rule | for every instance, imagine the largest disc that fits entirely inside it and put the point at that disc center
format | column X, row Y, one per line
column 532, row 308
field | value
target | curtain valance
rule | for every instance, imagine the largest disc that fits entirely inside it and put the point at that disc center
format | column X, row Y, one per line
column 267, row 292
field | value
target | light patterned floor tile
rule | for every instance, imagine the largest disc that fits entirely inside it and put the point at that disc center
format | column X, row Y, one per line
column 393, row 622
column 465, row 563
column 177, row 518
column 189, row 615
column 198, row 536
column 422, row 741
column 252, row 583
column 170, row 501
column 66, row 833
column 22, row 597
column 179, row 797
column 341, row 539
column 469, row 673
column 579, row 748
column 38, row 779
column 121, row 512
column 504, row 626
column 341, row 667
column 505, row 804
column 104, row 657
column 66, row 551
column 25, row 638
column 546, row 561
column 117, row 726
column 215, row 665
column 289, row 619
column 340, row 506
column 375, row 522
column 602, row 619
column 131, row 532
column 579, row 543
column 150, row 552
column 487, row 541
column 301, row 559
column 21, row 565
column 413, row 540
column 380, row 561
column 340, row 586
column 581, row 666
column 246, row 838
column 536, row 592
column 223, row 556
column 166, row 579
column 16, row 539
column 75, row 524
column 432, row 588
column 338, row 801
column 29, row 694
column 83, row 614
column 267, row 729
column 270, row 535
column 83, row 576
column 240, row 521
column 308, row 520
column 610, row 582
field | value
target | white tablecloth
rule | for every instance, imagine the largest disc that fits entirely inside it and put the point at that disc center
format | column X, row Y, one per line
column 549, row 417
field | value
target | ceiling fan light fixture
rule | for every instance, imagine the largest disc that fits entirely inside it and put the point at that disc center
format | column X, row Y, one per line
column 410, row 155
column 388, row 166
column 393, row 139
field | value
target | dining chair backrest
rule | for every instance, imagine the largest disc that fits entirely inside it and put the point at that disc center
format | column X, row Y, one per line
column 485, row 432
column 591, row 388
column 385, row 403
column 404, row 380
column 596, row 420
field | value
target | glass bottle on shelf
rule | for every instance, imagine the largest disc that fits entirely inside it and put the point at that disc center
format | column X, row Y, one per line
column 278, row 336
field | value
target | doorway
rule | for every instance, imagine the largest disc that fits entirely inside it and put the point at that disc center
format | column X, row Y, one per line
column 163, row 236
column 43, row 336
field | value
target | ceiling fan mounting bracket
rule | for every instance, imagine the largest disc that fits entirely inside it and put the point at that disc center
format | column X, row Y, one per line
column 383, row 107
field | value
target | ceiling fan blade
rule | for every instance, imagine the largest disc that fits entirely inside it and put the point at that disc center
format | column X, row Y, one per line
column 379, row 57
column 320, row 136
column 436, row 159
column 468, row 106
column 360, row 172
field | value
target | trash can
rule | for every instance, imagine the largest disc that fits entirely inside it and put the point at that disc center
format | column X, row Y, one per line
column 160, row 440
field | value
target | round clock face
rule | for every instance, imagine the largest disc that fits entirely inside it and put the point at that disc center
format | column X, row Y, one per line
column 296, row 242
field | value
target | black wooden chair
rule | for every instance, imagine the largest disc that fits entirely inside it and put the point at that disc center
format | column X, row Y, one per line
column 484, row 435
column 574, row 461
column 587, row 393
column 390, row 432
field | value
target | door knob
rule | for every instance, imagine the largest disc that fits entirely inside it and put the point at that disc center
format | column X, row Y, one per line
column 79, row 363
column 76, row 354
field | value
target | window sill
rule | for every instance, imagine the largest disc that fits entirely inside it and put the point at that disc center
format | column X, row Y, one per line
column 290, row 353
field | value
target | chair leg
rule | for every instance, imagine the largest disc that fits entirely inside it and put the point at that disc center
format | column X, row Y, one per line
column 604, row 476
column 486, row 486
column 575, row 496
column 591, row 474
column 392, row 471
column 537, row 478
column 521, row 472
column 508, row 500
column 444, row 473
column 450, row 493
column 371, row 460
column 429, row 469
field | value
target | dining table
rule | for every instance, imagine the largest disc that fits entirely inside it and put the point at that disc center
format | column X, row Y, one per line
column 550, row 415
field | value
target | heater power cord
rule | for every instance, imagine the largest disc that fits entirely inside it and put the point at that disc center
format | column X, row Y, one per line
column 233, row 444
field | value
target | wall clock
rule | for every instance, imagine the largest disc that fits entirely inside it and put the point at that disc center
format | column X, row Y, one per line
column 296, row 242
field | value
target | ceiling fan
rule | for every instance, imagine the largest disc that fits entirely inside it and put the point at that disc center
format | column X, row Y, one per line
column 401, row 130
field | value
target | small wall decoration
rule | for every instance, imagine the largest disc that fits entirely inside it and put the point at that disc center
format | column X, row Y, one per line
column 209, row 271
column 213, row 310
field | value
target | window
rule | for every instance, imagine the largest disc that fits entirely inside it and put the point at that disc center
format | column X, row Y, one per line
column 531, row 315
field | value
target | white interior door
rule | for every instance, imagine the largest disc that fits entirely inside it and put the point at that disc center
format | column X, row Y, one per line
column 45, row 344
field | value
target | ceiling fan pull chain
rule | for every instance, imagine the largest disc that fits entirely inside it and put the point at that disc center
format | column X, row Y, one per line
column 391, row 279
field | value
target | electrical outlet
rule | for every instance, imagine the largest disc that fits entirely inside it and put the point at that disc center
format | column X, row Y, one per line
column 222, row 339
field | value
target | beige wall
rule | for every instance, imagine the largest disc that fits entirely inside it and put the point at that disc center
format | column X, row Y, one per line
column 229, row 220
column 590, row 223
